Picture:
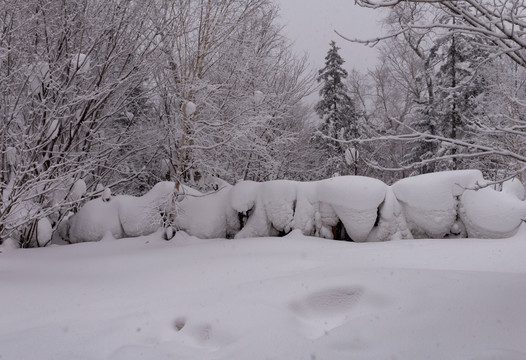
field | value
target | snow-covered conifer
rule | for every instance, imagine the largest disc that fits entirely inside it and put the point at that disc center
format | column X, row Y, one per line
column 337, row 112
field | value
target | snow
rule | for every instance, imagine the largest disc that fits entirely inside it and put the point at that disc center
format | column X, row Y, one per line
column 44, row 231
column 106, row 194
column 189, row 108
column 122, row 215
column 439, row 205
column 93, row 220
column 259, row 96
column 515, row 187
column 430, row 201
column 38, row 74
column 81, row 63
column 53, row 130
column 293, row 297
column 77, row 190
column 501, row 219
column 355, row 200
column 207, row 215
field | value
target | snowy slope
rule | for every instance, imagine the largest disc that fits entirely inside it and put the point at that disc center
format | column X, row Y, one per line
column 294, row 297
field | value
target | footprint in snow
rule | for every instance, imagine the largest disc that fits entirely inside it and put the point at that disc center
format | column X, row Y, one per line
column 326, row 309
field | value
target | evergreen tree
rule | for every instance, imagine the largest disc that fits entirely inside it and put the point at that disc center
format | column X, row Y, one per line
column 338, row 114
column 452, row 108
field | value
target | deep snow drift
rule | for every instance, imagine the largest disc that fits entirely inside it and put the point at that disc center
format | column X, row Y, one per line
column 293, row 297
column 438, row 205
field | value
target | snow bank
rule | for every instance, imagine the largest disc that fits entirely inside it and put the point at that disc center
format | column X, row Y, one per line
column 290, row 298
column 277, row 207
column 358, row 208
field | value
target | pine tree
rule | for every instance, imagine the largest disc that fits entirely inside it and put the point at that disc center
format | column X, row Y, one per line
column 337, row 112
column 450, row 111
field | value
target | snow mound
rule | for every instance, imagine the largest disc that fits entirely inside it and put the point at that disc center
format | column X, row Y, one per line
column 430, row 201
column 207, row 216
column 391, row 223
column 355, row 200
column 44, row 231
column 92, row 222
column 515, row 187
column 356, row 208
column 487, row 213
column 123, row 215
column 279, row 200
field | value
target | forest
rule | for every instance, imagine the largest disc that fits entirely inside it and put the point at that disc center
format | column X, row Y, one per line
column 115, row 96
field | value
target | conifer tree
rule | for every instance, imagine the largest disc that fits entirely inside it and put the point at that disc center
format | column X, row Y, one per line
column 338, row 114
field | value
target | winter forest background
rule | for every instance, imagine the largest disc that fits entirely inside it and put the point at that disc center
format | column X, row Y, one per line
column 124, row 94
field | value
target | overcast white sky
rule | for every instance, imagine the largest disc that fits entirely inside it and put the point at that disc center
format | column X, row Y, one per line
column 311, row 24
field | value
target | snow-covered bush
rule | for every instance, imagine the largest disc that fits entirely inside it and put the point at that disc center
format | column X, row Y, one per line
column 438, row 205
column 317, row 208
column 207, row 215
column 487, row 213
column 122, row 215
column 430, row 202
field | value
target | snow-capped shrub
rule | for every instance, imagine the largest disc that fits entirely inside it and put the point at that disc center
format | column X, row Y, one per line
column 363, row 209
column 44, row 231
column 429, row 202
column 487, row 213
column 123, row 215
column 314, row 208
column 355, row 200
column 391, row 223
column 243, row 196
column 279, row 201
column 208, row 215
column 515, row 187
column 92, row 221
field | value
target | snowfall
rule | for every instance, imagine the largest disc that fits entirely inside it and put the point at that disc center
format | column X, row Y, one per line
column 436, row 270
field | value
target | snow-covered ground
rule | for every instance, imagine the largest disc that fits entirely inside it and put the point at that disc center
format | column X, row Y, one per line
column 293, row 297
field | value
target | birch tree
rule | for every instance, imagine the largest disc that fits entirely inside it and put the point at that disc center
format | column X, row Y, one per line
column 231, row 65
